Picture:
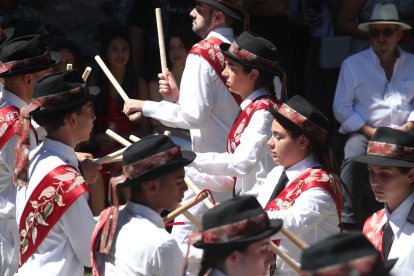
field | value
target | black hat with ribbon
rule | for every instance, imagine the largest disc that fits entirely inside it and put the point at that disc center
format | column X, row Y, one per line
column 254, row 51
column 5, row 35
column 302, row 115
column 236, row 222
column 233, row 8
column 60, row 91
column 389, row 147
column 24, row 55
column 153, row 156
column 344, row 254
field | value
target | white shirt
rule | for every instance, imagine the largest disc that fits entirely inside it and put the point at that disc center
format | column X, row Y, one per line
column 205, row 106
column 142, row 246
column 65, row 250
column 403, row 244
column 365, row 96
column 313, row 217
column 251, row 161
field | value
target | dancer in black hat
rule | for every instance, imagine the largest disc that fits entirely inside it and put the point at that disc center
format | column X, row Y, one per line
column 235, row 239
column 390, row 161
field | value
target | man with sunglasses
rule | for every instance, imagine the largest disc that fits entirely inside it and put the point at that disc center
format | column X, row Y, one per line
column 375, row 88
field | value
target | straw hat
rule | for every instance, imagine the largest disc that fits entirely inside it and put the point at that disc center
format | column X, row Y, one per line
column 384, row 14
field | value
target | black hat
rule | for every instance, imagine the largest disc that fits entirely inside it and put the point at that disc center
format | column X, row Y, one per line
column 5, row 35
column 236, row 222
column 344, row 254
column 253, row 50
column 302, row 115
column 23, row 55
column 154, row 155
column 389, row 147
column 232, row 8
column 60, row 91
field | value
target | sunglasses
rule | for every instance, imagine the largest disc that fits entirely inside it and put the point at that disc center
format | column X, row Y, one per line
column 374, row 33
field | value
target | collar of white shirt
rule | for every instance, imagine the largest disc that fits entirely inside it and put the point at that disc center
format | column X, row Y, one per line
column 12, row 98
column 256, row 94
column 296, row 170
column 399, row 216
column 146, row 212
column 62, row 150
column 224, row 34
column 401, row 55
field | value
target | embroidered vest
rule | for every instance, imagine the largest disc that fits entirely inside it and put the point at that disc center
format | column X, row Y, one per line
column 233, row 140
column 209, row 50
column 373, row 230
column 55, row 193
column 9, row 115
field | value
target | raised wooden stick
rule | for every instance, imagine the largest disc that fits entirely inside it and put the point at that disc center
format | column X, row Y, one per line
column 86, row 73
column 184, row 207
column 161, row 40
column 291, row 262
column 193, row 219
column 111, row 78
column 69, row 66
column 118, row 138
column 295, row 239
column 196, row 190
column 112, row 157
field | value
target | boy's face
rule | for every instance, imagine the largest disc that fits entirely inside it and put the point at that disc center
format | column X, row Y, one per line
column 85, row 121
column 171, row 188
column 390, row 185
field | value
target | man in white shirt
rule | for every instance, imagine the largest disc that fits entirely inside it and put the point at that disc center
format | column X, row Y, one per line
column 202, row 104
column 55, row 221
column 24, row 61
column 300, row 191
column 154, row 170
column 375, row 88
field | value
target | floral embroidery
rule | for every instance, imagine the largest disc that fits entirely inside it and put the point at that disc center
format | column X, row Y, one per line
column 8, row 116
column 373, row 229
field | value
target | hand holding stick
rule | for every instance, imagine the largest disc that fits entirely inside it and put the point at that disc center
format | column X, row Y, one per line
column 190, row 203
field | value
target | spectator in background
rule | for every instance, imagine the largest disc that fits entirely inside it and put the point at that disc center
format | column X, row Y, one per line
column 375, row 88
column 70, row 53
column 354, row 12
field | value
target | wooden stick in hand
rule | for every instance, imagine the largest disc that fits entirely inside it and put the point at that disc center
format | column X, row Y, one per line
column 161, row 40
column 86, row 73
column 184, row 207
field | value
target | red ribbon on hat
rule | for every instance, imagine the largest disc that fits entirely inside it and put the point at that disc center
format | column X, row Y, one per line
column 390, row 150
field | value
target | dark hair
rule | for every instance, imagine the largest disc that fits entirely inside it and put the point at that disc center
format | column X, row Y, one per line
column 186, row 35
column 108, row 38
column 52, row 122
column 73, row 47
column 265, row 79
column 214, row 258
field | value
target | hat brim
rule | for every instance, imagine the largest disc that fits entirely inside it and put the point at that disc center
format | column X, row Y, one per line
column 92, row 94
column 365, row 26
column 275, row 226
column 383, row 161
column 223, row 8
column 279, row 117
column 224, row 48
column 8, row 33
column 29, row 70
column 187, row 158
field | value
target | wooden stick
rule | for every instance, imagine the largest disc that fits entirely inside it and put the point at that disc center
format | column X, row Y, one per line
column 193, row 219
column 196, row 190
column 291, row 262
column 86, row 73
column 161, row 40
column 69, row 66
column 111, row 78
column 112, row 157
column 190, row 203
column 118, row 138
column 295, row 239
column 133, row 138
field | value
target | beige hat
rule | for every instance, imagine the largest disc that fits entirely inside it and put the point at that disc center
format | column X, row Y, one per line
column 384, row 14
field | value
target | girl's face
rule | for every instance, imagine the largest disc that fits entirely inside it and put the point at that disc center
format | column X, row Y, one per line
column 177, row 51
column 390, row 185
column 118, row 53
column 237, row 80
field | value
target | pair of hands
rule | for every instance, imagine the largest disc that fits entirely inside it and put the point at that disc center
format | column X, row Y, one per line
column 167, row 88
column 90, row 170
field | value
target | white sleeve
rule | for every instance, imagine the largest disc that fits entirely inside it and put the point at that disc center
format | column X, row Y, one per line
column 311, row 207
column 215, row 183
column 196, row 97
column 78, row 224
column 168, row 259
column 253, row 145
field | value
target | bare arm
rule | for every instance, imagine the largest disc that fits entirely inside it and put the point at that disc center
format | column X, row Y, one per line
column 348, row 14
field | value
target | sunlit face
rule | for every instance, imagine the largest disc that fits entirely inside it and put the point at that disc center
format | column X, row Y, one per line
column 286, row 150
column 118, row 53
column 382, row 44
column 85, row 121
column 255, row 260
column 177, row 51
column 389, row 185
column 171, row 188
column 66, row 57
column 202, row 19
column 237, row 80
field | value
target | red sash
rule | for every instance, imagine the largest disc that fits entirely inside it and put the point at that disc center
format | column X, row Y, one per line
column 9, row 115
column 312, row 178
column 233, row 140
column 48, row 202
column 373, row 230
column 209, row 50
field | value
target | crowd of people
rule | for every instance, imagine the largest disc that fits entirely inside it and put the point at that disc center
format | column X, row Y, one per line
column 307, row 157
